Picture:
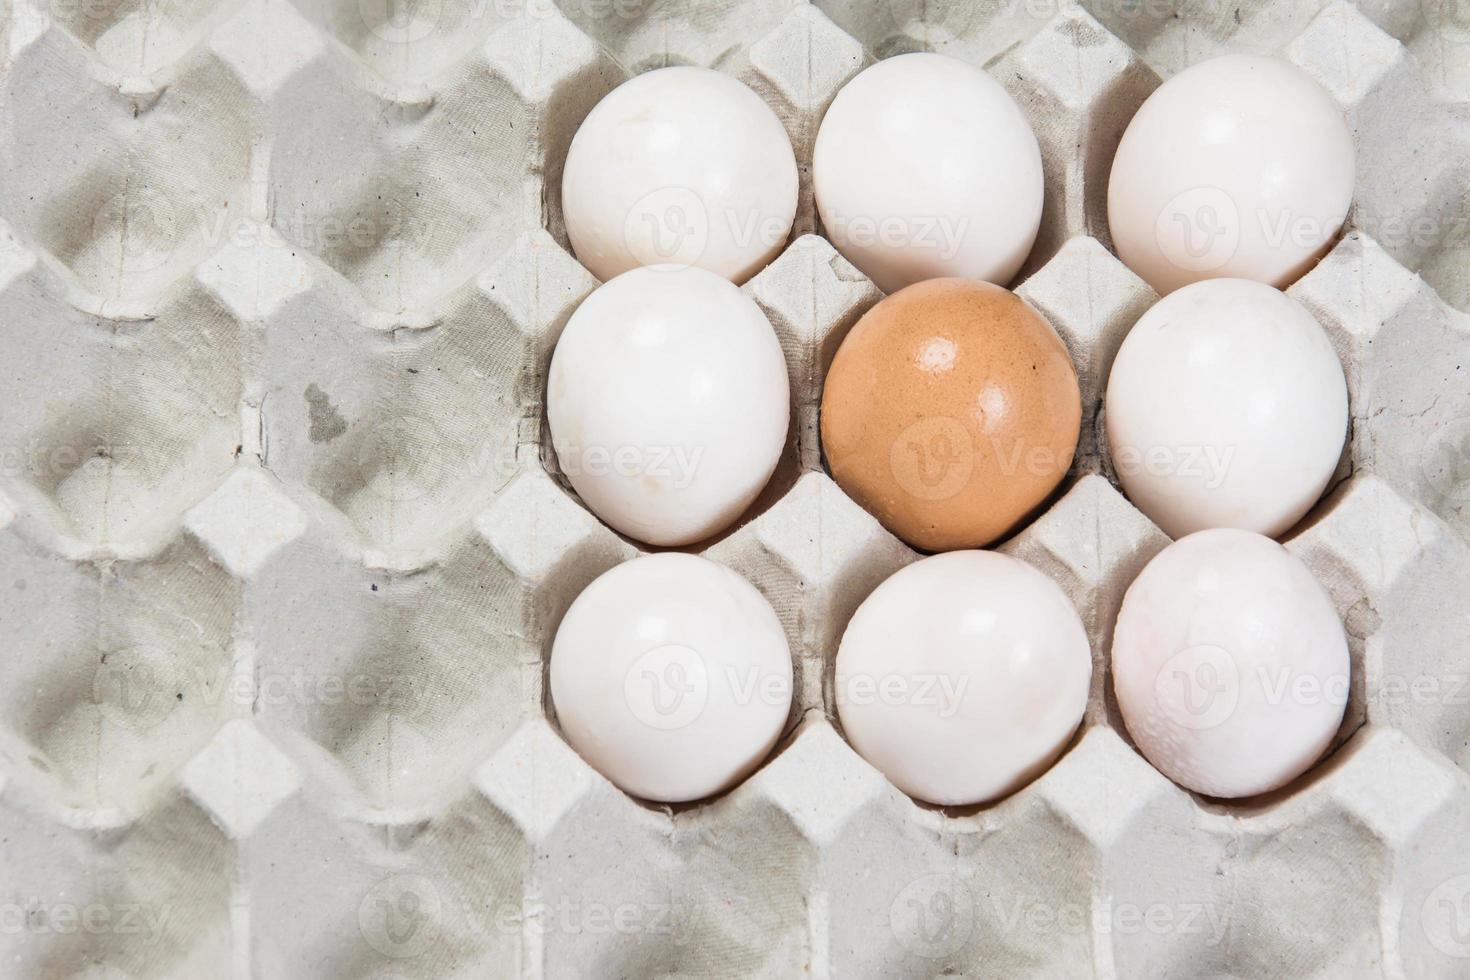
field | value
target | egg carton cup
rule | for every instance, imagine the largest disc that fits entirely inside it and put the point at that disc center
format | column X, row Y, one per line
column 283, row 547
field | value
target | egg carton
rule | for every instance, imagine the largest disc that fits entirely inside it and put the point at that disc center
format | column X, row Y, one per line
column 283, row 547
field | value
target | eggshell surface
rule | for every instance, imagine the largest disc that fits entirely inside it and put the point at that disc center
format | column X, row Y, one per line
column 668, row 403
column 1226, row 407
column 951, row 411
column 1230, row 664
column 963, row 676
column 1241, row 166
column 924, row 167
column 671, row 676
column 680, row 166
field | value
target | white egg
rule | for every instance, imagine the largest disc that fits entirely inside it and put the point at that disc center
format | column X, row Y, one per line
column 924, row 168
column 671, row 676
column 1226, row 407
column 682, row 166
column 963, row 676
column 668, row 403
column 1241, row 166
column 1230, row 664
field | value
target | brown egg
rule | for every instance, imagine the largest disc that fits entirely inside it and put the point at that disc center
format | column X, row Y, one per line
column 951, row 412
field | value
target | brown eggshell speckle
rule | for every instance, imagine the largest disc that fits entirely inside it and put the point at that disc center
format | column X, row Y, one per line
column 950, row 413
